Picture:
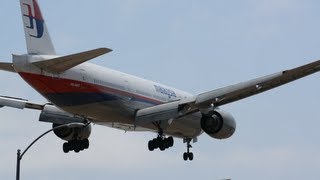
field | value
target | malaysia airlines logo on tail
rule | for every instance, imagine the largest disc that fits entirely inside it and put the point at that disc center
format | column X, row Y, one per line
column 35, row 19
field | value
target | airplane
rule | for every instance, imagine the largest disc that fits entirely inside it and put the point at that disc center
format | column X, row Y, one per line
column 81, row 92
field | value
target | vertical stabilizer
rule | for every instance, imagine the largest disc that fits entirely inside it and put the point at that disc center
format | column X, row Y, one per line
column 37, row 36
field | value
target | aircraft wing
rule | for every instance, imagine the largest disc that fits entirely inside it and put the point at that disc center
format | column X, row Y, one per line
column 49, row 112
column 246, row 89
column 225, row 95
column 19, row 103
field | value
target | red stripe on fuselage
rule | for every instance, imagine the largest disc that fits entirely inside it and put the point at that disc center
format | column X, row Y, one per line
column 48, row 85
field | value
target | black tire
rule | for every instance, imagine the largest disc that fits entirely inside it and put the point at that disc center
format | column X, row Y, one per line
column 81, row 145
column 190, row 156
column 86, row 143
column 155, row 143
column 151, row 145
column 65, row 147
column 72, row 145
column 166, row 143
column 77, row 145
column 162, row 145
column 185, row 156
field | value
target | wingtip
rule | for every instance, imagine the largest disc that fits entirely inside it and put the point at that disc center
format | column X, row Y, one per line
column 106, row 50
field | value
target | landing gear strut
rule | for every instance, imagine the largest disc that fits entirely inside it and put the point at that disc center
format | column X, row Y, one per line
column 160, row 142
column 75, row 145
column 188, row 155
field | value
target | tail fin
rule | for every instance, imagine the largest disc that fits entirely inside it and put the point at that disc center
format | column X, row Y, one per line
column 36, row 33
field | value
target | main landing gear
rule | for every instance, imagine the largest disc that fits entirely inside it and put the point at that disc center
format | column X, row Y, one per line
column 188, row 155
column 164, row 143
column 75, row 145
column 160, row 142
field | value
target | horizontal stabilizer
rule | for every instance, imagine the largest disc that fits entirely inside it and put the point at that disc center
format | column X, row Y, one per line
column 7, row 67
column 61, row 64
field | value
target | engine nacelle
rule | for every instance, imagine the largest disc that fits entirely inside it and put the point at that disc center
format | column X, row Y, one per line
column 218, row 124
column 69, row 134
column 58, row 117
column 55, row 115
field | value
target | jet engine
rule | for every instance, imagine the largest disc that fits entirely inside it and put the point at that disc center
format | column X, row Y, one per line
column 218, row 124
column 69, row 134
column 76, row 137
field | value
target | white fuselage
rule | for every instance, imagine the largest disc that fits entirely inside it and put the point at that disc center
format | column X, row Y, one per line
column 106, row 96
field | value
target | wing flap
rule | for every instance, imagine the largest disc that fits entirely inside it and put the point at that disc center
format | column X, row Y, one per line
column 7, row 67
column 61, row 64
column 240, row 88
column 157, row 113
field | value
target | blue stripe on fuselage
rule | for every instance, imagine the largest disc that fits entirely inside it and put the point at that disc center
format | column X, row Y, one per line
column 75, row 99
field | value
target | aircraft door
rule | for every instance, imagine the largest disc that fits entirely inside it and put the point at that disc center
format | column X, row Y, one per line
column 85, row 78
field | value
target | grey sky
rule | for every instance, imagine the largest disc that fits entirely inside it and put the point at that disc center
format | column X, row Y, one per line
column 191, row 45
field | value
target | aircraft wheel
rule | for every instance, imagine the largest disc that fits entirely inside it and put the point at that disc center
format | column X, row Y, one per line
column 66, row 147
column 77, row 146
column 190, row 156
column 86, row 143
column 81, row 145
column 170, row 141
column 166, row 143
column 162, row 145
column 185, row 156
column 151, row 146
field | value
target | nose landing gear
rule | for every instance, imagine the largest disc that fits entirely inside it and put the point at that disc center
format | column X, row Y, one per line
column 188, row 155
